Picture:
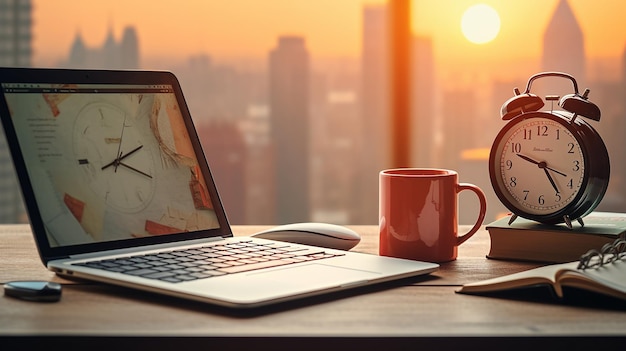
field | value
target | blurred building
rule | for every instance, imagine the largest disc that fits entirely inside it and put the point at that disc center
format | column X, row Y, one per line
column 289, row 71
column 563, row 51
column 336, row 141
column 423, row 116
column 15, row 51
column 16, row 33
column 459, row 113
column 374, row 155
column 375, row 104
column 225, row 150
column 235, row 100
column 260, row 177
column 219, row 91
column 112, row 54
column 11, row 205
column 609, row 97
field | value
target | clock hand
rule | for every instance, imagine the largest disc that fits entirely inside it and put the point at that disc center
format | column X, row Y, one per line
column 119, row 146
column 524, row 157
column 134, row 169
column 109, row 164
column 541, row 164
column 130, row 153
column 557, row 172
column 118, row 160
column 551, row 180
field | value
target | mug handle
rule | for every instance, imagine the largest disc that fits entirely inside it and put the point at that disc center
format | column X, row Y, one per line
column 481, row 216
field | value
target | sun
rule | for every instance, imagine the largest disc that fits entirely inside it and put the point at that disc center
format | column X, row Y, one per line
column 480, row 24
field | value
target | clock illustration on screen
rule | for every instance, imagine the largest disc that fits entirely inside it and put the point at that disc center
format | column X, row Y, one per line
column 114, row 156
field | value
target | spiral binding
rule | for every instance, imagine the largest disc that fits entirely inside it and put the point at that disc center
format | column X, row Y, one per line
column 607, row 254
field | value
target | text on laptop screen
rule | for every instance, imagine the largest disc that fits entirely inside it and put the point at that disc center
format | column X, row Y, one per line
column 109, row 162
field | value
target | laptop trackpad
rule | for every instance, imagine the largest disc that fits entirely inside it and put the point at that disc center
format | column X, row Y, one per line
column 314, row 273
column 290, row 280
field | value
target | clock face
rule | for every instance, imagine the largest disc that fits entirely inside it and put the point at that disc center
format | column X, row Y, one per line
column 114, row 157
column 538, row 165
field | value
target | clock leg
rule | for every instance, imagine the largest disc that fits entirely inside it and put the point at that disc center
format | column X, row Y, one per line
column 567, row 221
column 580, row 220
column 513, row 218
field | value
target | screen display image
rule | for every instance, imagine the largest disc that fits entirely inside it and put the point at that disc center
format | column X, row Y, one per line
column 109, row 162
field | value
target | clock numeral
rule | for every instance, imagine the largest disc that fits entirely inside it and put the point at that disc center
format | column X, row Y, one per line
column 513, row 182
column 542, row 130
column 576, row 167
column 570, row 184
column 509, row 164
column 571, row 148
column 112, row 140
column 528, row 135
column 140, row 196
column 541, row 200
column 558, row 134
column 516, row 147
column 526, row 192
column 558, row 196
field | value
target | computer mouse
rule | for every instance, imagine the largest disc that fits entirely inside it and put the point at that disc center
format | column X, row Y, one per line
column 326, row 235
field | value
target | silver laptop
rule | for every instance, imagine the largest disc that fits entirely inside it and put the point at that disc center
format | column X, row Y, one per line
column 118, row 190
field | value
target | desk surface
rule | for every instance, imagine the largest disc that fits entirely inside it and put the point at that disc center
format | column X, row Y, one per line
column 427, row 309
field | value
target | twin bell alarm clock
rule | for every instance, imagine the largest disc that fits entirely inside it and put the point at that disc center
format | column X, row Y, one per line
column 549, row 166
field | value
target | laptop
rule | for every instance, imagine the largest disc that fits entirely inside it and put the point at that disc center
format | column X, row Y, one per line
column 118, row 190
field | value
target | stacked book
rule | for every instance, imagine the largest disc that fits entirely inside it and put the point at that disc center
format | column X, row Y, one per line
column 527, row 240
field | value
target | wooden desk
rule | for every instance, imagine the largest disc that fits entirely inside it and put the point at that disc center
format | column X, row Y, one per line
column 419, row 313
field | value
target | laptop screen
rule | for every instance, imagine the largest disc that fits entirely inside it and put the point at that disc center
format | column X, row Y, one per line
column 110, row 162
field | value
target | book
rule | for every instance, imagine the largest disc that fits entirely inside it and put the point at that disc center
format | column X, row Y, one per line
column 599, row 271
column 527, row 240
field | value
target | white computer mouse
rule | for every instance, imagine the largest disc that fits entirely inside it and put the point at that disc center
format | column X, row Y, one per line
column 326, row 235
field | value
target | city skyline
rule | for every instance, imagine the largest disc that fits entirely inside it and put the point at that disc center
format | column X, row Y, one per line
column 349, row 114
column 247, row 29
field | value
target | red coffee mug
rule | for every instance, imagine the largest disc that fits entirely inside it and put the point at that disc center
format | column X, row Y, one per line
column 418, row 213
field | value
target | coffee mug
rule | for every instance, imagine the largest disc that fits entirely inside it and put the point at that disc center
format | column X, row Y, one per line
column 418, row 213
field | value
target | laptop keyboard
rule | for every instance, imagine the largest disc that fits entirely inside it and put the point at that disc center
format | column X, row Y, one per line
column 211, row 260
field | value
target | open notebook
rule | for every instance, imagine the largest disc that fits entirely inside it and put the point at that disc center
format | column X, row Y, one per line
column 118, row 190
column 601, row 271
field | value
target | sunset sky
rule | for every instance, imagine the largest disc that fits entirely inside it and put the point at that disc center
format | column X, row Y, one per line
column 249, row 28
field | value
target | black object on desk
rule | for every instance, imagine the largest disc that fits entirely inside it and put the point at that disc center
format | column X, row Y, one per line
column 41, row 291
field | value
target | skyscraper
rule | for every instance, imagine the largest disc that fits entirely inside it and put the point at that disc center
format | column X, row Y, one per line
column 376, row 115
column 129, row 49
column 11, row 205
column 423, row 146
column 225, row 151
column 375, row 152
column 15, row 51
column 111, row 55
column 563, row 51
column 289, row 69
column 16, row 33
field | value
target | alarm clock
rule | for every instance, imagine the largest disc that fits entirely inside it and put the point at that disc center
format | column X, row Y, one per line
column 549, row 166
